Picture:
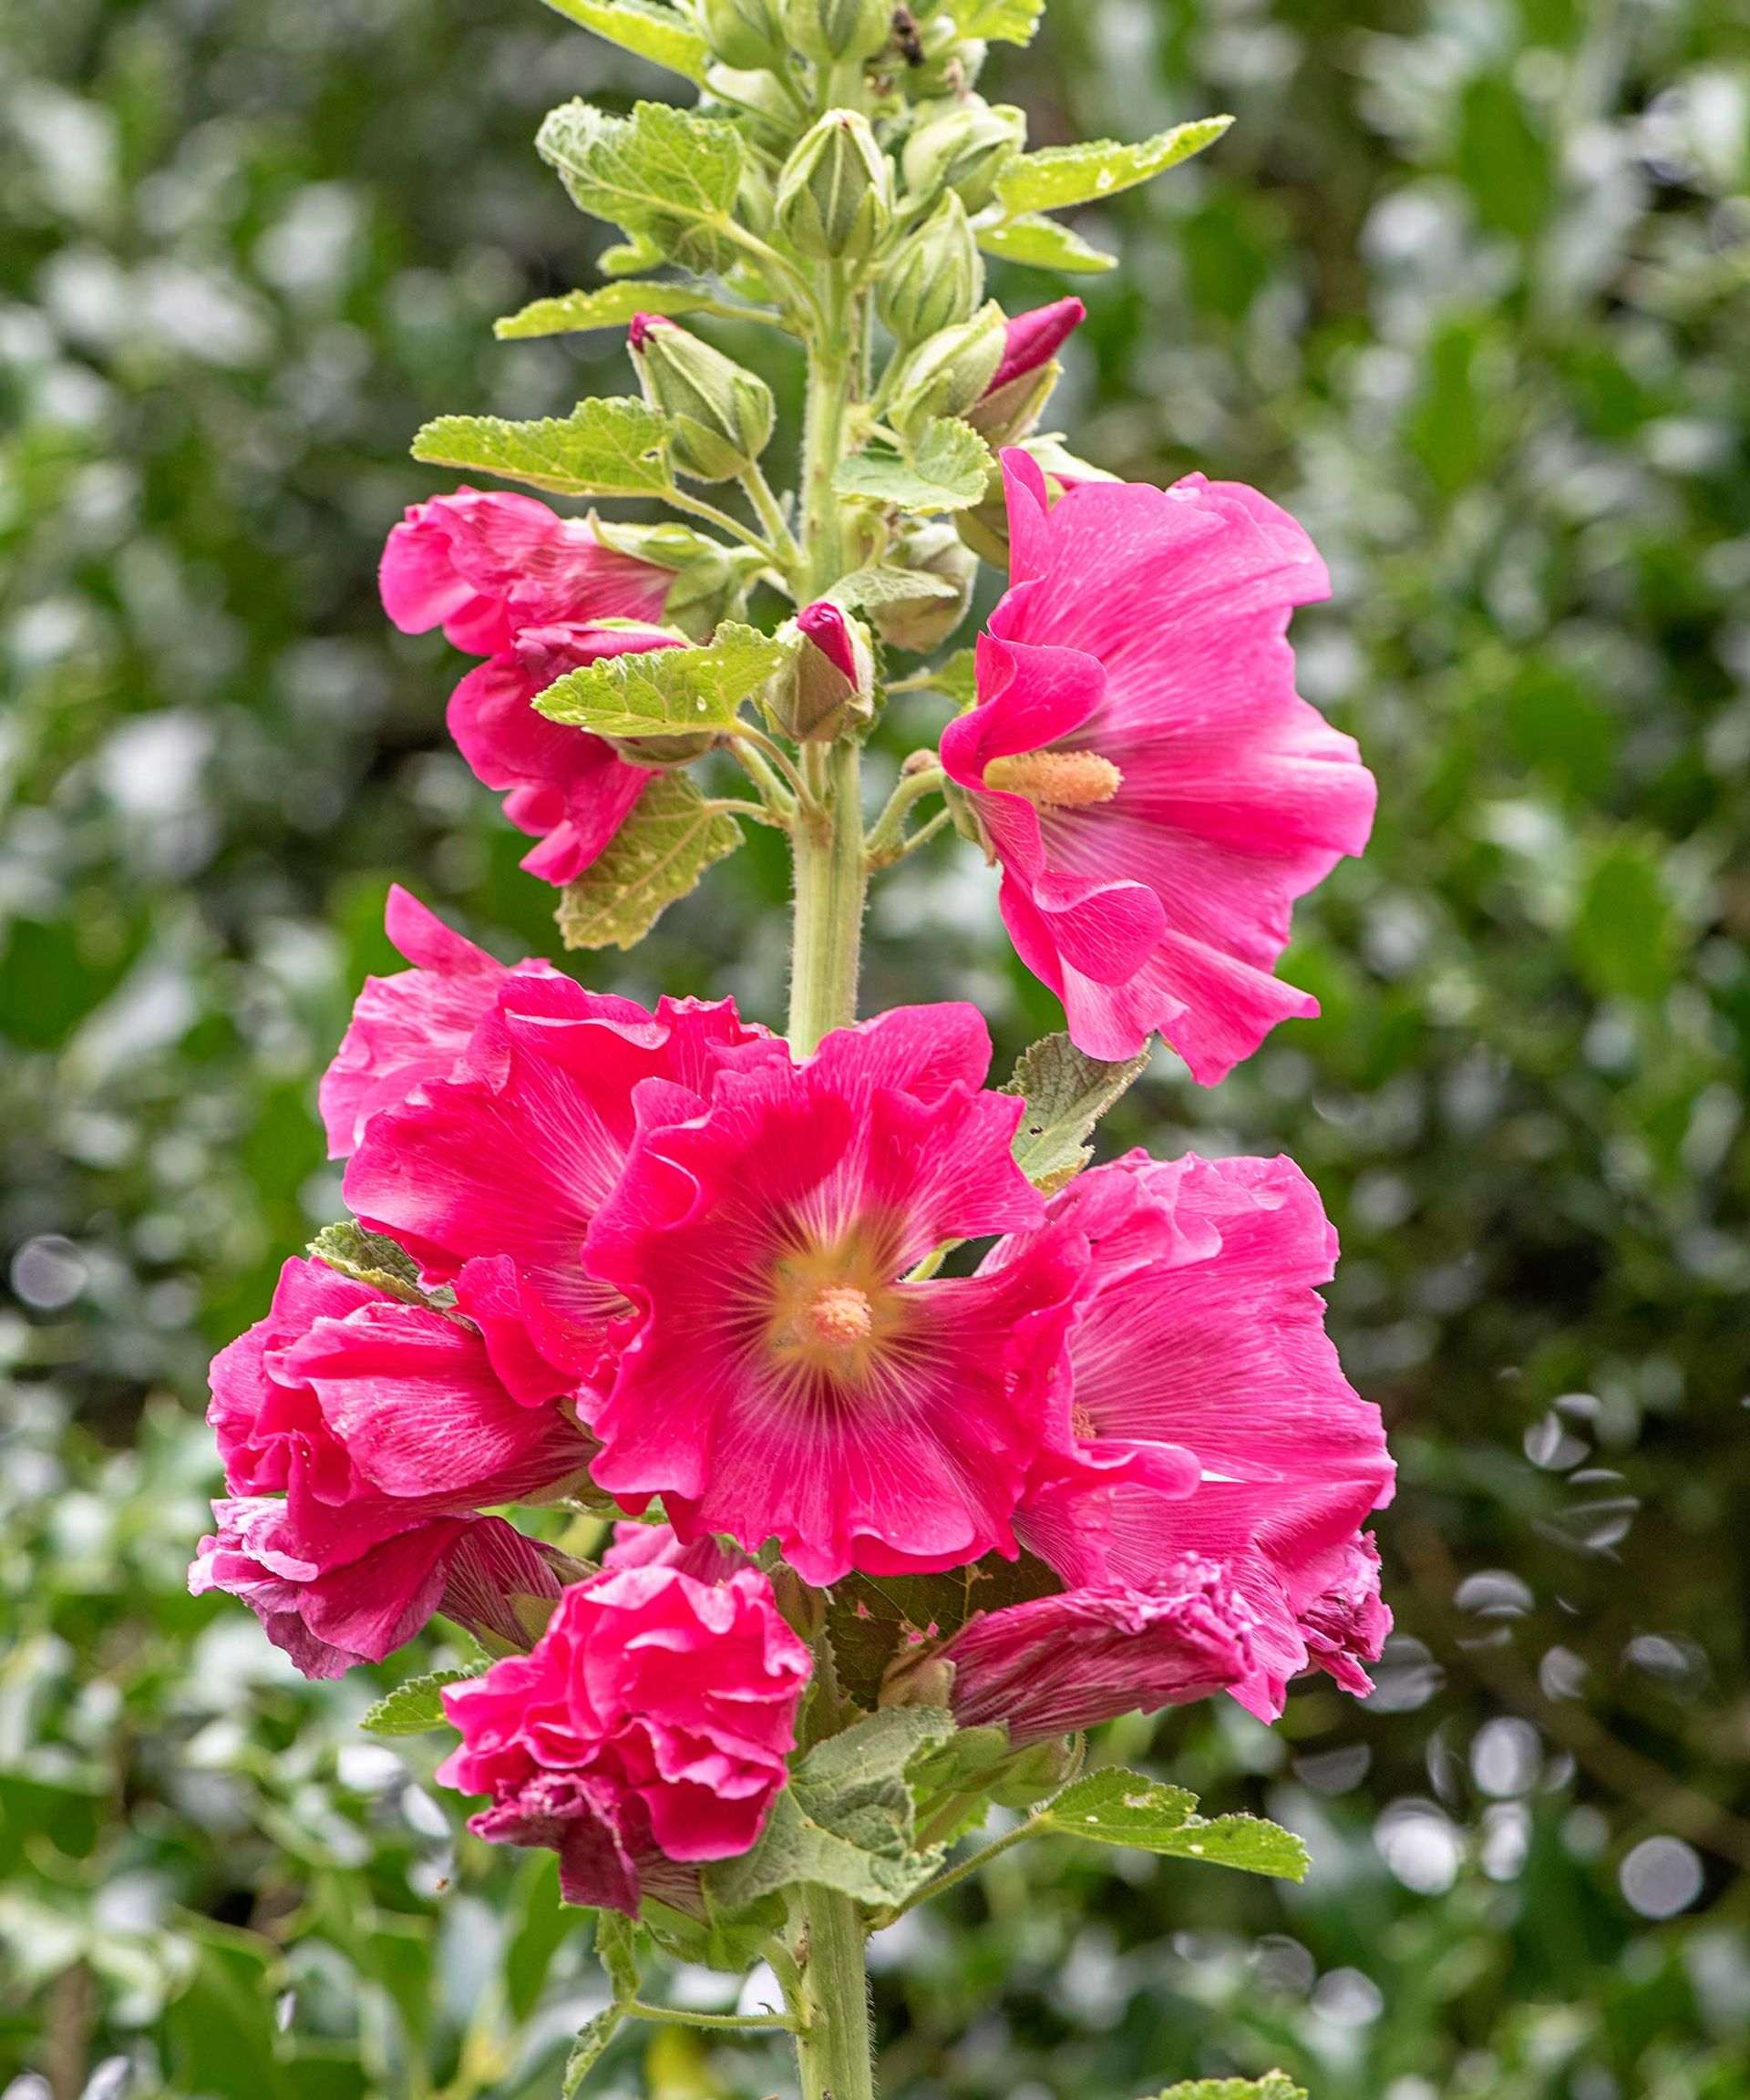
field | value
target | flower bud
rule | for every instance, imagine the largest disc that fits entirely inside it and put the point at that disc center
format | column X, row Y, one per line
column 835, row 195
column 936, row 279
column 722, row 414
column 948, row 370
column 919, row 623
column 951, row 63
column 1022, row 384
column 746, row 33
column 963, row 144
column 830, row 30
column 827, row 683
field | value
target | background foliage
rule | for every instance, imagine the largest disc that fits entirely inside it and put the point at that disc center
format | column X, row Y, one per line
column 1466, row 286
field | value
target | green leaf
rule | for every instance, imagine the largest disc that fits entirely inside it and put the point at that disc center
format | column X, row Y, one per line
column 611, row 446
column 885, row 586
column 1119, row 1807
column 1273, row 2085
column 999, row 21
column 1626, row 937
column 369, row 1258
column 956, row 678
column 721, row 1936
column 611, row 306
column 1039, row 241
column 414, row 1708
column 845, row 1820
column 1067, row 1093
column 592, row 2040
column 657, row 34
column 665, row 691
column 659, row 853
column 1061, row 175
column 666, row 176
column 949, row 469
column 616, row 1948
column 873, row 1618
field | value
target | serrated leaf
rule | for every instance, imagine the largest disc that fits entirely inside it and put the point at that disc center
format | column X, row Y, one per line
column 591, row 2041
column 369, row 1258
column 871, row 1619
column 1067, row 1093
column 414, row 1708
column 948, row 469
column 609, row 306
column 665, row 691
column 1057, row 175
column 657, row 34
column 845, row 1821
column 880, row 585
column 616, row 1948
column 1118, row 1807
column 659, row 853
column 999, row 21
column 1273, row 2085
column 1042, row 244
column 609, row 445
column 663, row 174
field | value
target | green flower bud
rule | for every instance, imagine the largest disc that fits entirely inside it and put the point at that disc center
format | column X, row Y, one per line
column 951, row 63
column 827, row 683
column 948, row 370
column 919, row 623
column 830, row 30
column 835, row 195
column 963, row 145
column 746, row 33
column 937, row 278
column 722, row 414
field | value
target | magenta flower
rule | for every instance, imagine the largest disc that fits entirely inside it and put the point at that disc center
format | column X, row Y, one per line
column 491, row 1176
column 569, row 789
column 1154, row 789
column 649, row 1726
column 410, row 1028
column 484, row 566
column 787, row 1381
column 1201, row 1334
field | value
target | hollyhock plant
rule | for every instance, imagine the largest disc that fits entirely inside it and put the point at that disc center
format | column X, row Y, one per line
column 1156, row 791
column 645, row 1731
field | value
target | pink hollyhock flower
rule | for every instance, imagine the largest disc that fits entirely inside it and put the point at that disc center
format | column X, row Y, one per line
column 410, row 1028
column 483, row 566
column 1069, row 1662
column 568, row 788
column 787, row 1380
column 491, row 1176
column 1154, row 789
column 1201, row 1333
column 649, row 1726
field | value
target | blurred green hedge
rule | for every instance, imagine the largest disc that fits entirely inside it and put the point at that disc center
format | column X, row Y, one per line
column 1466, row 287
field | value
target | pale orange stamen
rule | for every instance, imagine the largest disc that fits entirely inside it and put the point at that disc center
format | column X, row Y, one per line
column 1083, row 1423
column 1056, row 779
column 841, row 1317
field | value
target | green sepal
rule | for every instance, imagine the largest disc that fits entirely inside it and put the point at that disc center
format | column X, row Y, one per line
column 660, row 852
column 1067, row 1093
column 414, row 1708
column 1057, row 175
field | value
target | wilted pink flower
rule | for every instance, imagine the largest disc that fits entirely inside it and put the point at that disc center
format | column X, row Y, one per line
column 787, row 1381
column 483, row 566
column 491, row 1176
column 414, row 1026
column 568, row 788
column 1157, row 792
column 649, row 1726
column 1200, row 1332
column 1069, row 1662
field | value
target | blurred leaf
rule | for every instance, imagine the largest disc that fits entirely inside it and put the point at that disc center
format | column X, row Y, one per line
column 1273, row 2085
column 1062, row 175
column 612, row 306
column 1044, row 244
column 1626, row 937
column 658, row 34
column 999, row 21
column 588, row 2049
column 658, row 854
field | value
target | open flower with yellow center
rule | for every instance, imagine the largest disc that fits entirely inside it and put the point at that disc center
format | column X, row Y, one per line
column 789, row 1379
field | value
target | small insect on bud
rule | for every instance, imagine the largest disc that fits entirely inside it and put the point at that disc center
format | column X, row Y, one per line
column 936, row 279
column 835, row 195
column 745, row 32
column 961, row 143
column 827, row 683
column 830, row 30
column 721, row 414
column 948, row 370
column 1022, row 384
column 919, row 623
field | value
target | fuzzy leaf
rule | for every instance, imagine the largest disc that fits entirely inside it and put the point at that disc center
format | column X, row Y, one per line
column 659, row 853
column 369, row 1258
column 414, row 1708
column 999, row 21
column 612, row 445
column 1273, row 2085
column 616, row 1949
column 723, row 1938
column 1118, row 1807
column 592, row 2040
column 886, row 586
column 665, row 691
column 871, row 1619
column 662, row 173
column 1039, row 241
column 610, row 307
column 1067, row 1093
column 657, row 34
column 1061, row 175
column 845, row 1820
column 948, row 469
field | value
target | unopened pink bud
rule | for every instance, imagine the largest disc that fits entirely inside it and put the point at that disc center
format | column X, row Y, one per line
column 638, row 332
column 1031, row 340
column 824, row 625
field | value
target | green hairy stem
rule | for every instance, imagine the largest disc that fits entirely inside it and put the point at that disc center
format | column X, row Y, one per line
column 834, row 2047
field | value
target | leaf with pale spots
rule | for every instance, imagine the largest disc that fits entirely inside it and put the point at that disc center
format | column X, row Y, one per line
column 658, row 854
column 665, row 691
column 1273, row 2085
column 1119, row 1807
column 998, row 21
column 610, row 307
column 1063, row 175
column 1041, row 243
column 658, row 34
column 1067, row 1093
column 608, row 446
